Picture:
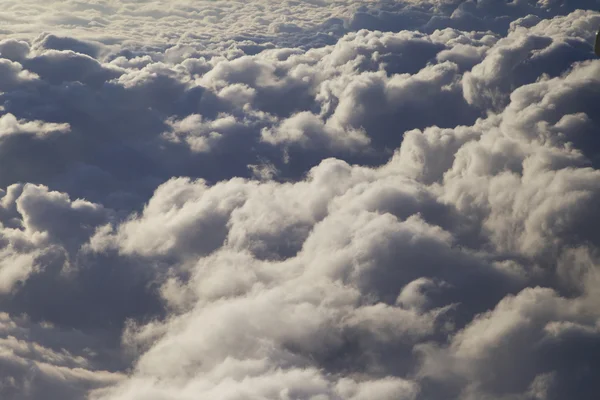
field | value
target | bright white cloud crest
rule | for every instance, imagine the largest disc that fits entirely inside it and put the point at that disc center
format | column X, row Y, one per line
column 317, row 200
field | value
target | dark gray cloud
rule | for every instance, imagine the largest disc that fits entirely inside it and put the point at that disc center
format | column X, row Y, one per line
column 308, row 200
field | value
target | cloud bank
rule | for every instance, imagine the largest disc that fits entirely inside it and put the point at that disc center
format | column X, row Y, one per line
column 299, row 200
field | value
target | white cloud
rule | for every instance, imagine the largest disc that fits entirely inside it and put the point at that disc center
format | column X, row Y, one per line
column 13, row 74
column 299, row 200
column 10, row 125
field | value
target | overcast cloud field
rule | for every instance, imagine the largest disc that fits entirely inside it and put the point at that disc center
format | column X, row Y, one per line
column 299, row 200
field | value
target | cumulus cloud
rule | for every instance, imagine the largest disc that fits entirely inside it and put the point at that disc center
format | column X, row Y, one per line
column 10, row 125
column 309, row 200
column 13, row 74
column 515, row 59
column 43, row 361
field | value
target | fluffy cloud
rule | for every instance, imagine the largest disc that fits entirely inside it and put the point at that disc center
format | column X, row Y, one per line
column 515, row 60
column 43, row 361
column 13, row 74
column 308, row 200
column 9, row 125
column 535, row 343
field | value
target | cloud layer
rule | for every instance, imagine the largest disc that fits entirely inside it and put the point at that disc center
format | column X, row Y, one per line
column 299, row 200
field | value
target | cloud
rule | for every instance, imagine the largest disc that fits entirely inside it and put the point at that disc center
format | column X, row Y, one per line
column 14, row 50
column 156, row 117
column 41, row 360
column 327, row 297
column 34, row 220
column 312, row 200
column 514, row 60
column 52, row 42
column 494, row 354
column 9, row 125
column 45, row 268
column 13, row 74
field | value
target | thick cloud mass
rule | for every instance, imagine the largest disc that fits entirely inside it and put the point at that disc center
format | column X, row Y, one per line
column 319, row 200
